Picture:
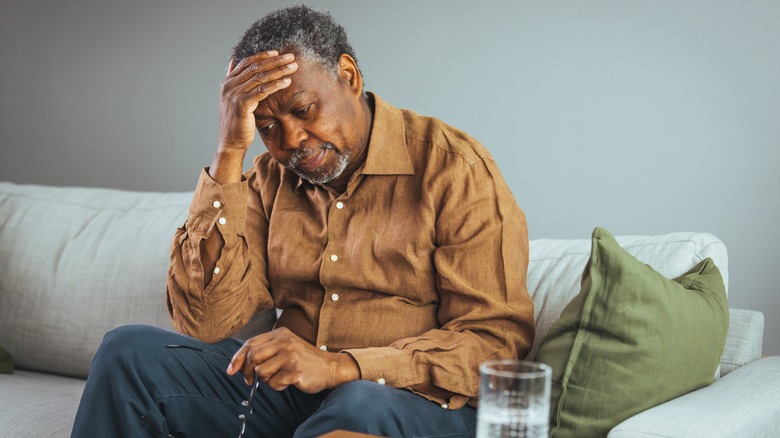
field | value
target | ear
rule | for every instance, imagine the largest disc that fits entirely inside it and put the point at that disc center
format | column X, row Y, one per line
column 348, row 71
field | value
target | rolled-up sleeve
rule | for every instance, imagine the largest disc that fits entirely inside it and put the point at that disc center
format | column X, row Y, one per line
column 238, row 287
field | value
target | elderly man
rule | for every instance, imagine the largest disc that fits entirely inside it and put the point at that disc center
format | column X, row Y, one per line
column 389, row 241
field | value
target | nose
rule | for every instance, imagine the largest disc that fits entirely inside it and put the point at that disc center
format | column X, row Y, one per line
column 294, row 135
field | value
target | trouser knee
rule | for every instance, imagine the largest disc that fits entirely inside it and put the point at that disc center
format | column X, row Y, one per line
column 361, row 399
column 356, row 406
column 129, row 345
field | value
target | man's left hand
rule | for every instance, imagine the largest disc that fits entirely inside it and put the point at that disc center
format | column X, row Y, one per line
column 280, row 359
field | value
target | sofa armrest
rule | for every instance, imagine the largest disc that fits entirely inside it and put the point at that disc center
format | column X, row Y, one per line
column 743, row 340
column 743, row 403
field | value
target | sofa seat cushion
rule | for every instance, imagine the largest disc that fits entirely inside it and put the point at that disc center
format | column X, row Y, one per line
column 38, row 405
column 742, row 404
column 631, row 339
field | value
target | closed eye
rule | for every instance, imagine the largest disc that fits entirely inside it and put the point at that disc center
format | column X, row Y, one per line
column 266, row 128
column 302, row 111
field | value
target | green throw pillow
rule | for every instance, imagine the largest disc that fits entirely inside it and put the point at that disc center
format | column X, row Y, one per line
column 6, row 362
column 631, row 340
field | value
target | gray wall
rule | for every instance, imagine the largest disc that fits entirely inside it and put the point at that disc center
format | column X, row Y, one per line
column 641, row 117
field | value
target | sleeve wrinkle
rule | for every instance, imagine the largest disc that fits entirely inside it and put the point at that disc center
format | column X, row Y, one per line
column 214, row 311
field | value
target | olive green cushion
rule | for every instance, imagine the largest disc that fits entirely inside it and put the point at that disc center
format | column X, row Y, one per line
column 631, row 340
column 6, row 362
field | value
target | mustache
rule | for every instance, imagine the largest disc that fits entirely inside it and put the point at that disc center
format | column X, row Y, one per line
column 302, row 153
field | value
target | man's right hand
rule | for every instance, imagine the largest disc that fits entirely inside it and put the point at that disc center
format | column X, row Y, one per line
column 246, row 85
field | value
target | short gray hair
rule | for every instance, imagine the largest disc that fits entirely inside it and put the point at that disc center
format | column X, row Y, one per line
column 302, row 30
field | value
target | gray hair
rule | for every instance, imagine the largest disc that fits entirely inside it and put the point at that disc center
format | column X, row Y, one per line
column 302, row 30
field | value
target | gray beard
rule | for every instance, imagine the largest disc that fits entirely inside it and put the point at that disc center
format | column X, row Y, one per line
column 321, row 176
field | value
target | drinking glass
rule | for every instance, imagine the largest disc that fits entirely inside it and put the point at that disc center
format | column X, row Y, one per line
column 514, row 399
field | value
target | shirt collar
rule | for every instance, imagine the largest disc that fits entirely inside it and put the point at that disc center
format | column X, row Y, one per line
column 387, row 151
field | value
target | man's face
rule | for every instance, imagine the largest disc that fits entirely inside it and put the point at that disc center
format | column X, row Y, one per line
column 313, row 126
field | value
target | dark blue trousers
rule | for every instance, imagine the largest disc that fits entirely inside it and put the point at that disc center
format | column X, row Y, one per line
column 149, row 382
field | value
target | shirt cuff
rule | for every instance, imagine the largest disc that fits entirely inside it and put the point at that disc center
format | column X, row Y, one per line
column 385, row 365
column 220, row 205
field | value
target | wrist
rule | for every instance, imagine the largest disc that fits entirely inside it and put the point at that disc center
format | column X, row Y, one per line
column 346, row 369
column 228, row 165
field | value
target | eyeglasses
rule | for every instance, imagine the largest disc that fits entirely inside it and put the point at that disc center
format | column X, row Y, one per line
column 246, row 403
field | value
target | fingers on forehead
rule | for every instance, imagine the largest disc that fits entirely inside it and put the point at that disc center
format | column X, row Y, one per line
column 259, row 56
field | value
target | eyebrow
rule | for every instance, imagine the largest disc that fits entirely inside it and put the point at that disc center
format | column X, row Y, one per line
column 292, row 98
column 285, row 105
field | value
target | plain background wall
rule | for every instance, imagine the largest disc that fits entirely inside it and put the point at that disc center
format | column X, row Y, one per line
column 641, row 117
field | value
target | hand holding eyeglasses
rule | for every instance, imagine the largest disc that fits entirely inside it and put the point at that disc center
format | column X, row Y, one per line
column 281, row 359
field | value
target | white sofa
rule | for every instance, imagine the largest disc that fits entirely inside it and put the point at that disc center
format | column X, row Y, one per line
column 77, row 262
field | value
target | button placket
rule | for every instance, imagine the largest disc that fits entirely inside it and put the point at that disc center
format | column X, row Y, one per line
column 335, row 221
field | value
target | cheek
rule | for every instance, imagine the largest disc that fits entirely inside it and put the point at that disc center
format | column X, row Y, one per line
column 276, row 152
column 326, row 129
column 340, row 128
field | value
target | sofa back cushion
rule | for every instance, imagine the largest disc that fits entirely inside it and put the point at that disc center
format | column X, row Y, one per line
column 556, row 266
column 77, row 262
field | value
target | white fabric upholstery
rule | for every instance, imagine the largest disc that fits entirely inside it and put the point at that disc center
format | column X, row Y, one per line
column 38, row 405
column 75, row 263
column 743, row 340
column 744, row 403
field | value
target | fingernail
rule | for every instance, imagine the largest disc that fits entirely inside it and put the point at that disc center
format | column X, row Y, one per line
column 273, row 52
column 292, row 65
column 286, row 80
column 288, row 56
column 230, row 369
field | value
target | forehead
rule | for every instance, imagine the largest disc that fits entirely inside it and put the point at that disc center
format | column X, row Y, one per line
column 310, row 81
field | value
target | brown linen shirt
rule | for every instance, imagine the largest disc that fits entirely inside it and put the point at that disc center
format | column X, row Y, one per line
column 418, row 270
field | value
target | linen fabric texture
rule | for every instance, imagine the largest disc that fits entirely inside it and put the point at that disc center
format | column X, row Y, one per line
column 631, row 339
column 742, row 405
column 418, row 270
column 65, row 262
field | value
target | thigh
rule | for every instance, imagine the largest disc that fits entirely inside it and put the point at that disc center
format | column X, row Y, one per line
column 368, row 407
column 187, row 389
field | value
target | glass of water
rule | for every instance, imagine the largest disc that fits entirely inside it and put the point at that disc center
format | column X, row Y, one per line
column 514, row 399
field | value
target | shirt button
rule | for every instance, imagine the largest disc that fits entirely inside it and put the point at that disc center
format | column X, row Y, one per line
column 334, row 257
column 222, row 221
column 381, row 381
column 217, row 204
column 339, row 205
column 216, row 270
column 444, row 406
column 323, row 348
column 334, row 297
